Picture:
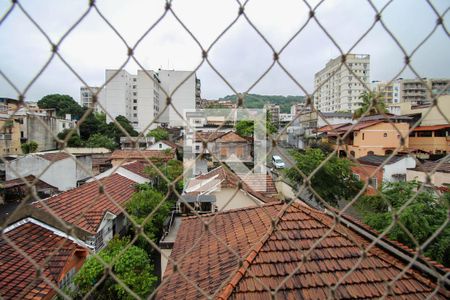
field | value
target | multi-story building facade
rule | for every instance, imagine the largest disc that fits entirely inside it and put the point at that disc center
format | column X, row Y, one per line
column 9, row 128
column 337, row 88
column 87, row 95
column 141, row 97
column 274, row 111
column 419, row 91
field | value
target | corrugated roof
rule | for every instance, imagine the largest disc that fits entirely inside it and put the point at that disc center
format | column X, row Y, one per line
column 267, row 260
column 86, row 205
column 17, row 274
column 376, row 160
column 142, row 154
column 435, row 166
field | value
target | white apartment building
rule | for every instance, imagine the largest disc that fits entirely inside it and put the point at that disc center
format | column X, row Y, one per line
column 86, row 97
column 141, row 97
column 183, row 94
column 274, row 111
column 337, row 88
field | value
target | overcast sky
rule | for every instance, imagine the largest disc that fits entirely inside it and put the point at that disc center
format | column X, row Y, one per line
column 241, row 55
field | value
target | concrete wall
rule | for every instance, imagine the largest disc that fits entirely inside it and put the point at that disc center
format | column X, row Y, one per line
column 398, row 167
column 116, row 96
column 437, row 179
column 61, row 174
column 239, row 200
column 184, row 96
column 36, row 131
column 86, row 162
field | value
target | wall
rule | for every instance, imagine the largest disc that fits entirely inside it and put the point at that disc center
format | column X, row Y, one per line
column 61, row 174
column 437, row 179
column 116, row 95
column 86, row 162
column 239, row 200
column 159, row 146
column 365, row 172
column 398, row 167
column 9, row 137
column 36, row 131
column 430, row 144
column 183, row 98
column 375, row 141
column 146, row 90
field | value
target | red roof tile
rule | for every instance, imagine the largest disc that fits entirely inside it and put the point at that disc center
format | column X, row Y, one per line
column 85, row 206
column 251, row 183
column 270, row 256
column 231, row 137
column 137, row 167
column 432, row 128
column 18, row 275
column 55, row 156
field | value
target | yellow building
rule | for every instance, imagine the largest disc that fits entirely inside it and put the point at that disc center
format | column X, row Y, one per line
column 9, row 128
column 431, row 139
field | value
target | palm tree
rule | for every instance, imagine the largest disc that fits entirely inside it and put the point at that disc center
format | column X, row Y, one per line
column 370, row 98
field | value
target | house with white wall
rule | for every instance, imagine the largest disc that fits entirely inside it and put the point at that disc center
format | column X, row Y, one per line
column 58, row 168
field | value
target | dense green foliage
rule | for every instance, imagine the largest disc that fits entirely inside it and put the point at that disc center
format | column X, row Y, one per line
column 247, row 127
column 142, row 204
column 63, row 104
column 333, row 181
column 171, row 170
column 422, row 217
column 370, row 98
column 133, row 267
column 74, row 140
column 159, row 134
column 258, row 101
column 100, row 140
column 29, row 147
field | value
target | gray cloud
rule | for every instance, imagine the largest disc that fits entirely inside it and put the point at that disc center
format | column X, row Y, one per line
column 240, row 55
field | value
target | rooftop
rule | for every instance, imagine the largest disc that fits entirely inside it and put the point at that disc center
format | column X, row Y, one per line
column 377, row 160
column 55, row 156
column 273, row 259
column 142, row 154
column 86, row 205
column 433, row 166
column 18, row 275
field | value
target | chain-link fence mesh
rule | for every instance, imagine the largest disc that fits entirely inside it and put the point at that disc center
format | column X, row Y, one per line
column 336, row 212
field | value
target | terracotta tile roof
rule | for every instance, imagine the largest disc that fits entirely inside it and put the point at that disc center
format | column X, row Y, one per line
column 55, row 156
column 137, row 167
column 18, row 276
column 207, row 136
column 30, row 179
column 231, row 137
column 85, row 206
column 228, row 179
column 432, row 128
column 140, row 154
column 358, row 126
column 267, row 259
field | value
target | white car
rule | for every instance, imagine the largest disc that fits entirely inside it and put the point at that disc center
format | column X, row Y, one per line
column 278, row 162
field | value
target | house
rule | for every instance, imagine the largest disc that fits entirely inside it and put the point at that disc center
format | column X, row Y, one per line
column 10, row 141
column 376, row 169
column 17, row 189
column 374, row 135
column 438, row 171
column 224, row 146
column 431, row 139
column 281, row 251
column 120, row 156
column 58, row 257
column 57, row 168
column 142, row 142
column 95, row 208
column 163, row 145
column 134, row 170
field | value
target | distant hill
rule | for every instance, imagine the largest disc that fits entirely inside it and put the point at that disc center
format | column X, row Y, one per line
column 258, row 101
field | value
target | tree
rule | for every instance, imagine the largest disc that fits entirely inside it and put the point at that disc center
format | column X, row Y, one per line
column 63, row 104
column 422, row 217
column 159, row 134
column 245, row 127
column 171, row 169
column 370, row 98
column 133, row 267
column 92, row 124
column 99, row 140
column 29, row 147
column 333, row 181
column 142, row 204
column 74, row 140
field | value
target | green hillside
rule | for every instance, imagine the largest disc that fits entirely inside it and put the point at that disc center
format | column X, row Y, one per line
column 258, row 101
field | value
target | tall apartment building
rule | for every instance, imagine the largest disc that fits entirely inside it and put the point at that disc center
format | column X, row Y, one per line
column 416, row 91
column 86, row 96
column 337, row 88
column 140, row 98
column 274, row 111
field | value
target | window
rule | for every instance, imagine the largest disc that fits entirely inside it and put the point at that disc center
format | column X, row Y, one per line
column 385, row 134
column 134, row 107
column 363, row 136
column 135, row 115
column 373, row 182
column 160, row 145
column 134, row 93
column 370, row 153
column 134, row 100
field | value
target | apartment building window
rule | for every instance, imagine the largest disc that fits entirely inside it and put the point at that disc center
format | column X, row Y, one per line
column 134, row 94
column 135, row 115
column 134, row 86
column 385, row 134
column 134, row 79
column 134, row 107
column 363, row 136
column 134, row 100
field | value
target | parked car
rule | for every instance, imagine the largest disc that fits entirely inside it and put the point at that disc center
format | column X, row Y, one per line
column 278, row 162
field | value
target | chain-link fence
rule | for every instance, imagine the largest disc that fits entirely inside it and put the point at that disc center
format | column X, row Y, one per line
column 214, row 257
